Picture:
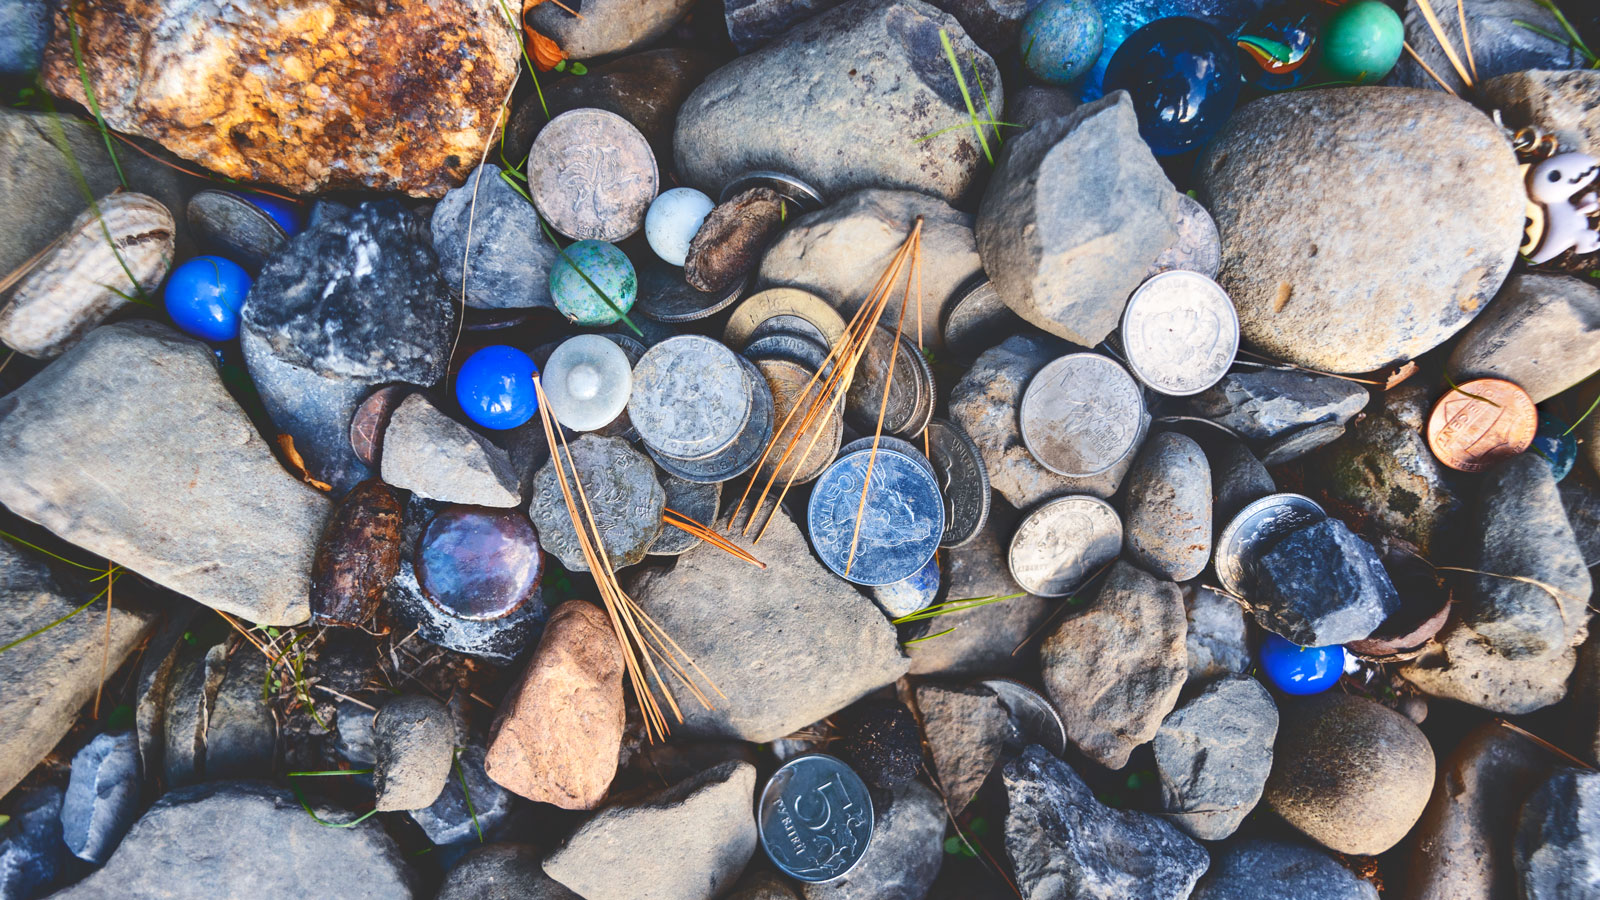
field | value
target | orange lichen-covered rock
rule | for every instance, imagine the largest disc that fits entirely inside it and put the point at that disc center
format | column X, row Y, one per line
column 397, row 95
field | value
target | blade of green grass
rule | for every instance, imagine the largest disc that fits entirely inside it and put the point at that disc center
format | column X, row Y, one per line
column 977, row 75
column 929, row 637
column 1577, row 41
column 953, row 606
column 930, row 136
column 88, row 89
column 298, row 795
column 325, row 772
column 587, row 280
column 35, row 633
column 56, row 556
column 467, row 795
column 966, row 95
column 533, row 71
column 1585, row 415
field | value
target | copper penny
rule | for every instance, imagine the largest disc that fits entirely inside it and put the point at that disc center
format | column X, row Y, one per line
column 1470, row 434
column 371, row 418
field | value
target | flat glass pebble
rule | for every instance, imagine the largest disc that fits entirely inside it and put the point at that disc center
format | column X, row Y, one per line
column 477, row 563
column 1553, row 442
column 203, row 296
column 672, row 221
column 1279, row 51
column 495, row 387
column 607, row 269
column 1061, row 39
column 286, row 214
column 1362, row 42
column 1299, row 670
column 1183, row 76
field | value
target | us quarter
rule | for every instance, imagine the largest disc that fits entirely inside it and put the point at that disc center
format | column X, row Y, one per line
column 592, row 174
column 1180, row 333
column 691, row 397
column 1254, row 531
column 1198, row 247
column 1062, row 543
column 1081, row 414
column 623, row 494
column 1033, row 718
column 815, row 818
column 740, row 455
column 963, row 482
column 900, row 525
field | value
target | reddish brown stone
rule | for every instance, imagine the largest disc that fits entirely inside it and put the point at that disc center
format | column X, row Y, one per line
column 732, row 238
column 358, row 556
column 560, row 728
column 307, row 94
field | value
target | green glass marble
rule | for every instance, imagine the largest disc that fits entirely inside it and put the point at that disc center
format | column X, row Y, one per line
column 1361, row 43
column 607, row 269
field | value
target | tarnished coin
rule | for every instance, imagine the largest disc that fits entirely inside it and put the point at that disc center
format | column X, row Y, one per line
column 1180, row 333
column 624, row 497
column 909, row 404
column 815, row 818
column 1034, row 719
column 791, row 347
column 793, row 391
column 963, row 481
column 807, row 307
column 691, row 397
column 1081, row 414
column 1478, row 424
column 1254, row 531
column 900, row 525
column 592, row 175
column 890, row 442
column 978, row 319
column 746, row 448
column 1062, row 543
column 699, row 502
column 239, row 230
column 371, row 420
column 802, row 197
column 1198, row 247
column 665, row 297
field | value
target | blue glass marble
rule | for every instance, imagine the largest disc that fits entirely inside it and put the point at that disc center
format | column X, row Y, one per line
column 1061, row 39
column 1558, row 448
column 1121, row 18
column 495, row 387
column 203, row 296
column 1278, row 52
column 286, row 214
column 1299, row 670
column 1183, row 76
column 606, row 268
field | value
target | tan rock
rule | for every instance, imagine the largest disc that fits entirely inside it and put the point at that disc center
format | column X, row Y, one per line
column 560, row 727
column 307, row 94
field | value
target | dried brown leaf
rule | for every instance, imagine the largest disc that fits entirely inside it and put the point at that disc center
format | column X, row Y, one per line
column 297, row 463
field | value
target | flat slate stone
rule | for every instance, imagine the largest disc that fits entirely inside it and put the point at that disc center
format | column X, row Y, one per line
column 1214, row 753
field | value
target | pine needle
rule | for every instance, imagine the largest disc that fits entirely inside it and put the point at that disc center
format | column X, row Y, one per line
column 686, row 524
column 1444, row 41
column 1426, row 68
column 1466, row 39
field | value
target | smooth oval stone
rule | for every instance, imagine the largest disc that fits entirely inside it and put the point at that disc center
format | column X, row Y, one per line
column 1299, row 670
column 672, row 221
column 1362, row 42
column 477, row 563
column 1061, row 39
column 1183, row 76
column 1168, row 522
column 607, row 269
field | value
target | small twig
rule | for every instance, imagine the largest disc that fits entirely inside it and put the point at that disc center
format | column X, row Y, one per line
column 345, row 697
column 472, row 212
column 1066, row 604
column 1543, row 743
column 1289, row 365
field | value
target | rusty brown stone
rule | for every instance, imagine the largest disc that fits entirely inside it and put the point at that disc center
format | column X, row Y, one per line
column 358, row 555
column 732, row 238
column 306, row 94
column 560, row 728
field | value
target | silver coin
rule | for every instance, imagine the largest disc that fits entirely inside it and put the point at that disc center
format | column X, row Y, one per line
column 1034, row 719
column 1198, row 247
column 1254, row 531
column 815, row 818
column 755, row 310
column 624, row 497
column 592, row 175
column 1081, row 414
column 234, row 227
column 746, row 448
column 899, row 526
column 978, row 319
column 800, row 195
column 963, row 482
column 788, row 326
column 665, row 297
column 819, row 443
column 904, row 414
column 1058, row 546
column 890, row 442
column 691, row 397
column 699, row 502
column 1299, row 442
column 904, row 597
column 791, row 348
column 1180, row 333
column 928, row 394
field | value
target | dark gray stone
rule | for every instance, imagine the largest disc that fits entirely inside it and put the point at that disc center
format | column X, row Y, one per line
column 434, row 456
column 1323, row 585
column 240, row 732
column 1521, row 530
column 645, row 88
column 752, row 23
column 353, row 735
column 1075, row 214
column 1586, row 690
column 1581, row 499
column 1035, row 103
column 1063, row 843
column 1557, row 851
column 253, row 834
column 502, row 872
column 1168, row 521
column 33, row 859
column 448, row 821
column 1214, row 754
column 509, row 260
column 904, row 855
column 607, row 26
column 102, row 797
column 1541, row 333
column 1499, row 44
column 1562, row 102
column 1264, row 404
column 1216, row 640
column 1259, row 869
column 1239, row 479
column 965, row 729
column 996, row 25
column 413, row 745
column 313, row 409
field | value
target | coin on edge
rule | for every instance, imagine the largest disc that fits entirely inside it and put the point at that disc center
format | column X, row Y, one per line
column 815, row 818
column 1254, row 530
column 1081, row 414
column 1034, row 719
column 1198, row 247
column 1180, row 333
column 1478, row 424
column 793, row 391
column 963, row 482
column 1058, row 546
column 371, row 420
column 699, row 502
column 592, row 174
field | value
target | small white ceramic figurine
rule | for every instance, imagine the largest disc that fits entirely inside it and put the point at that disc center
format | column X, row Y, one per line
column 1553, row 186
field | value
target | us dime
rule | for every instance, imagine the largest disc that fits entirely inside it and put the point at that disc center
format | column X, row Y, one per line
column 815, row 818
column 623, row 495
column 1062, row 543
column 978, row 319
column 900, row 525
column 963, row 481
column 1198, row 247
column 691, row 397
column 1180, row 332
column 699, row 502
column 1034, row 719
column 794, row 392
column 665, row 297
column 1081, row 414
column 592, row 174
column 1254, row 531
column 805, row 307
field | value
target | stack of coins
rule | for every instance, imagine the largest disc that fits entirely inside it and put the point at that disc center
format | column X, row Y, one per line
column 704, row 413
column 785, row 323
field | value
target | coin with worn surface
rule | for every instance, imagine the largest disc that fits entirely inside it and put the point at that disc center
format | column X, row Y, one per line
column 794, row 391
column 665, row 297
column 1198, row 247
column 1254, row 531
column 624, row 497
column 229, row 224
column 1180, row 333
column 699, row 502
column 792, row 347
column 691, row 397
column 978, row 319
column 890, row 442
column 908, row 405
column 371, row 420
column 802, row 197
column 592, row 175
column 1060, row 545
column 815, row 818
column 1034, row 719
column 1478, row 424
column 1081, row 414
column 807, row 307
column 900, row 525
column 909, row 595
column 746, row 448
column 963, row 481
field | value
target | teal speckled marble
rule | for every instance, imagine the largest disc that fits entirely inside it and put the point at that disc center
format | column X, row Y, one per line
column 610, row 271
column 1061, row 39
